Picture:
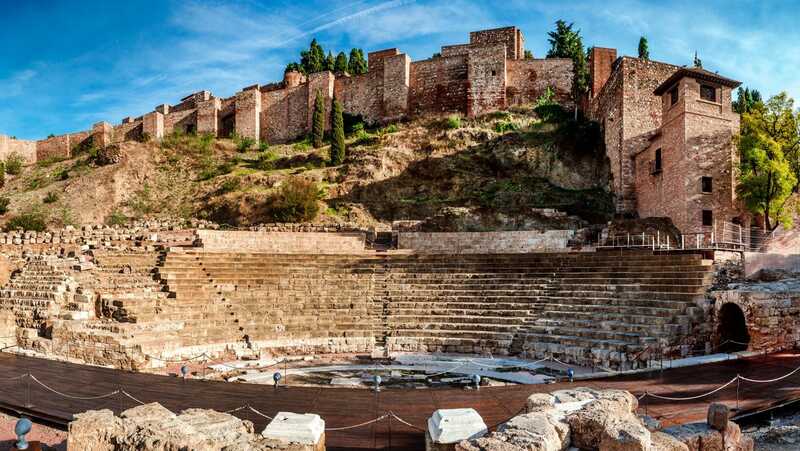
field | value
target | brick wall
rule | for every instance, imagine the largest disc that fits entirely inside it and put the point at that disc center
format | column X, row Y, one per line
column 284, row 113
column 208, row 115
column 128, row 131
column 601, row 61
column 248, row 113
column 486, row 71
column 438, row 85
column 153, row 125
column 55, row 147
column 512, row 242
column 510, row 37
column 283, row 242
column 527, row 79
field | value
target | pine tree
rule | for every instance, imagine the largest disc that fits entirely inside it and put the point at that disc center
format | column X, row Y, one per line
column 337, row 135
column 746, row 100
column 318, row 125
column 341, row 63
column 697, row 61
column 644, row 50
column 567, row 43
column 357, row 65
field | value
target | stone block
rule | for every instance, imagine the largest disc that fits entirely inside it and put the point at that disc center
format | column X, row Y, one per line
column 450, row 426
column 718, row 415
column 304, row 429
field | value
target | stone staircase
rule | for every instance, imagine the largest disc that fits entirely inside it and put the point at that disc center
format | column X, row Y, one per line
column 130, row 290
column 39, row 292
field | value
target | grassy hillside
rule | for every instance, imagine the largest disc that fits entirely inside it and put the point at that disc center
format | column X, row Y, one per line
column 486, row 173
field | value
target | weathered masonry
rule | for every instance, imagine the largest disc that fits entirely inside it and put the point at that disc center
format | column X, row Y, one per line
column 668, row 134
column 487, row 74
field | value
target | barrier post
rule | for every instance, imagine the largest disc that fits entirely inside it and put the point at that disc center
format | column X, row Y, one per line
column 390, row 432
column 738, row 381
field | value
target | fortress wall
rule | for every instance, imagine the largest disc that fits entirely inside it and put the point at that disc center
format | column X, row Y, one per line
column 527, row 79
column 510, row 37
column 438, row 85
column 283, row 242
column 361, row 94
column 511, row 242
column 128, row 131
column 55, row 147
column 284, row 113
column 27, row 149
column 182, row 120
column 486, row 70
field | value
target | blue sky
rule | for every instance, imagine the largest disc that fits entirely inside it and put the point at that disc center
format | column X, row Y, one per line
column 67, row 64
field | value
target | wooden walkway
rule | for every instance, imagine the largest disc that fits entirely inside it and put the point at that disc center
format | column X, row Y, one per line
column 341, row 407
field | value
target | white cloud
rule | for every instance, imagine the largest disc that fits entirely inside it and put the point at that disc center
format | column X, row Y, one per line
column 16, row 83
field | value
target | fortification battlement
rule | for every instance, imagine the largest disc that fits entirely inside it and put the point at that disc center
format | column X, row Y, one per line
column 487, row 74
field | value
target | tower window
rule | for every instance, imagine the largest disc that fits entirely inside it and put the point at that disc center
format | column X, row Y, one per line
column 657, row 162
column 673, row 95
column 708, row 92
column 494, row 73
column 708, row 218
column 706, row 185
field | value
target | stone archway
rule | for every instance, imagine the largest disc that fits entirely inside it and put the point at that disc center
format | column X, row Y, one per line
column 732, row 328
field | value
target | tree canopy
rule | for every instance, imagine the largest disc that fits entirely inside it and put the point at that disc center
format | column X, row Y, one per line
column 697, row 61
column 315, row 59
column 746, row 99
column 567, row 43
column 644, row 50
column 769, row 171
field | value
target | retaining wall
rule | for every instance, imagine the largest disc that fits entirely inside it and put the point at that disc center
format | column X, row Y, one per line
column 512, row 242
column 282, row 242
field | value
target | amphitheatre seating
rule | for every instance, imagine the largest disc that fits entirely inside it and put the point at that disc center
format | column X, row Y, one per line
column 129, row 292
column 38, row 292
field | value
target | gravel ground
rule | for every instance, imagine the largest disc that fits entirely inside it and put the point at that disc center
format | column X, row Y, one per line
column 783, row 434
column 55, row 439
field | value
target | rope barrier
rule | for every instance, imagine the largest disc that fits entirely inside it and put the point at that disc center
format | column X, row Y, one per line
column 767, row 381
column 690, row 398
column 83, row 398
column 394, row 415
column 366, row 423
column 176, row 361
column 132, row 397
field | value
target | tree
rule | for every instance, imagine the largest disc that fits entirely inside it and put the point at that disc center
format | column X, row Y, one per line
column 769, row 170
column 2, row 174
column 567, row 43
column 329, row 62
column 341, row 63
column 337, row 135
column 294, row 67
column 528, row 55
column 357, row 65
column 318, row 125
column 697, row 61
column 746, row 100
column 644, row 50
column 313, row 59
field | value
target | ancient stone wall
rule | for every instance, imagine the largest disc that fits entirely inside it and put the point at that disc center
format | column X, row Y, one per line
column 772, row 316
column 601, row 62
column 528, row 79
column 282, row 242
column 128, row 130
column 509, row 37
column 438, row 85
column 284, row 113
column 486, row 71
column 24, row 148
column 483, row 242
column 55, row 147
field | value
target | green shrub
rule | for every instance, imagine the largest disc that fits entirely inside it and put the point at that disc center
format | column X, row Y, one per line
column 243, row 143
column 266, row 161
column 14, row 163
column 357, row 128
column 50, row 198
column 505, row 126
column 263, row 145
column 117, row 218
column 364, row 138
column 2, row 174
column 303, row 145
column 552, row 113
column 32, row 221
column 296, row 201
column 546, row 99
column 4, row 204
column 61, row 174
column 230, row 185
column 453, row 121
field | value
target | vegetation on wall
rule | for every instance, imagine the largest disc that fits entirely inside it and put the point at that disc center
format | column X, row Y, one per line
column 314, row 60
column 769, row 172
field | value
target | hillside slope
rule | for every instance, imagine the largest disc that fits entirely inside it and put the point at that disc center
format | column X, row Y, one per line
column 493, row 172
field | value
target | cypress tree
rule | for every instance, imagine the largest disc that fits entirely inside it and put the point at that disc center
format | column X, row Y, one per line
column 644, row 50
column 318, row 126
column 2, row 174
column 697, row 61
column 337, row 135
column 357, row 65
column 329, row 62
column 341, row 63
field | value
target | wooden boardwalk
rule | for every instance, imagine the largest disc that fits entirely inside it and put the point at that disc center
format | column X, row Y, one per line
column 341, row 407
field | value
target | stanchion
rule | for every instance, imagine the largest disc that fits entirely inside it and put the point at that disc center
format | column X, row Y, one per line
column 738, row 382
column 28, row 392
